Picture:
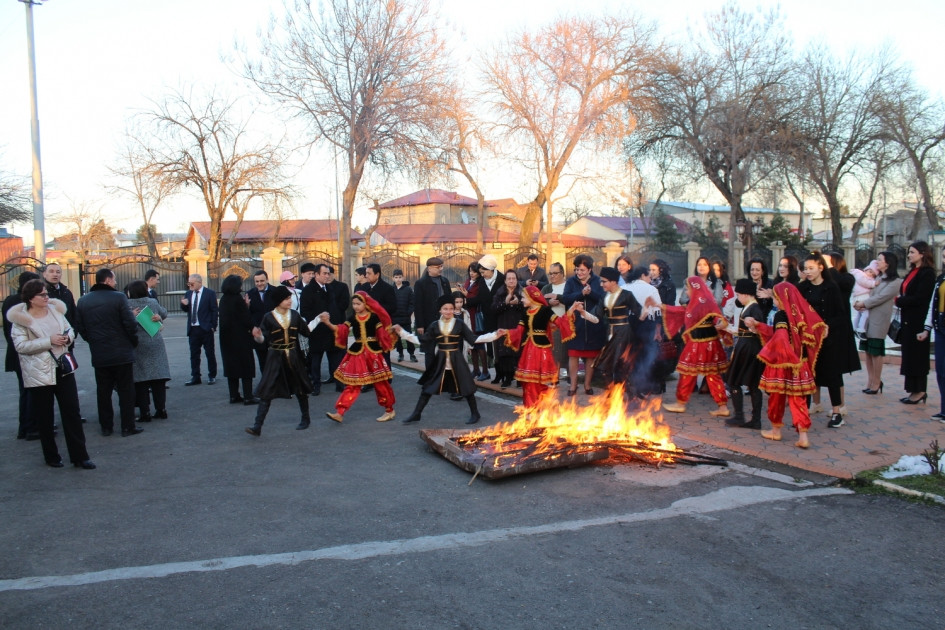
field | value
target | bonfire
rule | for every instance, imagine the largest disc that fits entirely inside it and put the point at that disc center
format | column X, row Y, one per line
column 555, row 434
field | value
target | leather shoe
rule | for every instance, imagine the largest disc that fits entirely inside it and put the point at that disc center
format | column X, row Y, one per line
column 86, row 465
column 302, row 425
column 161, row 414
column 236, row 399
column 58, row 464
column 106, row 432
column 211, row 381
column 337, row 417
column 251, row 401
column 134, row 431
column 193, row 381
column 30, row 437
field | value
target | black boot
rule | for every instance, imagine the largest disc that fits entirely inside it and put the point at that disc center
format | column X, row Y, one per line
column 756, row 401
column 248, row 398
column 474, row 416
column 738, row 406
column 145, row 415
column 303, row 406
column 261, row 412
column 415, row 416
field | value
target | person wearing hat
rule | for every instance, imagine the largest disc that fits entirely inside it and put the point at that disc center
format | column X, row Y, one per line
column 426, row 293
column 287, row 279
column 449, row 371
column 284, row 374
column 744, row 369
column 537, row 369
column 866, row 280
column 306, row 276
column 364, row 362
column 487, row 268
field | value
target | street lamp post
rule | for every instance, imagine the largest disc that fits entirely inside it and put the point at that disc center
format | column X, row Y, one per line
column 747, row 231
column 39, row 218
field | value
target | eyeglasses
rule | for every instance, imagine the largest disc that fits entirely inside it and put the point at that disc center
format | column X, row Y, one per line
column 554, row 273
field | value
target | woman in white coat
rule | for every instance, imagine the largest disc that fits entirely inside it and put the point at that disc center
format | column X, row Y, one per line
column 41, row 335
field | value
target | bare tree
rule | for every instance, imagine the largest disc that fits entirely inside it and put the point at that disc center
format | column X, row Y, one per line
column 576, row 81
column 365, row 76
column 916, row 122
column 196, row 143
column 148, row 187
column 16, row 205
column 838, row 129
column 723, row 104
column 84, row 228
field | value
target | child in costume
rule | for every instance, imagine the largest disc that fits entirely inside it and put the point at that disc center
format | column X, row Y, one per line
column 703, row 352
column 790, row 355
column 448, row 372
column 284, row 373
column 364, row 363
column 745, row 369
column 537, row 369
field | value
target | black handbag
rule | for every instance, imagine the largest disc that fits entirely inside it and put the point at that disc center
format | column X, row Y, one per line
column 895, row 329
column 66, row 362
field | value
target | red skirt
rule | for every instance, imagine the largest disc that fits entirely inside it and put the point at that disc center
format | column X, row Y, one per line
column 584, row 354
column 702, row 357
column 783, row 380
column 364, row 368
column 537, row 365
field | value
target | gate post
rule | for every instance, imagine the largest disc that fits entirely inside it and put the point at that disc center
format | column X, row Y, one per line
column 739, row 261
column 197, row 262
column 613, row 250
column 849, row 254
column 693, row 251
column 70, row 262
column 777, row 253
column 272, row 263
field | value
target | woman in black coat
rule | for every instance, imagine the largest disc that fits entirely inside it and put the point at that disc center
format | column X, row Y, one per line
column 508, row 309
column 845, row 281
column 236, row 341
column 913, row 303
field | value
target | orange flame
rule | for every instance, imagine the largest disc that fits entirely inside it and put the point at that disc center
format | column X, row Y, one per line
column 552, row 425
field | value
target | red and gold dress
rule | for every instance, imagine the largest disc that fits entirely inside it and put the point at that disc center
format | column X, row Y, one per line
column 364, row 362
column 703, row 352
column 537, row 368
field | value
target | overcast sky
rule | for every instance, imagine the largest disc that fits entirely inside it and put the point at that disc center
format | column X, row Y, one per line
column 99, row 62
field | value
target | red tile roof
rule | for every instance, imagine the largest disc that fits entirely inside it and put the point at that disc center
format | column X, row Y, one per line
column 431, row 195
column 292, row 230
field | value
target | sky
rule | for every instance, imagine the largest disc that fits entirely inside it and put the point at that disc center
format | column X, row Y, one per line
column 98, row 63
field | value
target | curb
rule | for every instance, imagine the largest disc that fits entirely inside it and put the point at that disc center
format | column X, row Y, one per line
column 909, row 492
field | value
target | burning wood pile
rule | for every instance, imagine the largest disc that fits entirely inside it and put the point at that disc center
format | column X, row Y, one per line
column 559, row 434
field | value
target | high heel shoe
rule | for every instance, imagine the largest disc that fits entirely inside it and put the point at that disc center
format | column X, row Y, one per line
column 879, row 390
column 909, row 401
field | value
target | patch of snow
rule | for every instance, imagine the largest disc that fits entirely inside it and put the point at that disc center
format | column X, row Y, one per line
column 910, row 465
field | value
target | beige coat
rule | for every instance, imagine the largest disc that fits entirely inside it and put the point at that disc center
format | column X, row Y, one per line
column 33, row 346
column 880, row 306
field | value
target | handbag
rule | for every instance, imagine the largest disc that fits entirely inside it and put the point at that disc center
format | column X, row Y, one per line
column 895, row 328
column 480, row 322
column 66, row 362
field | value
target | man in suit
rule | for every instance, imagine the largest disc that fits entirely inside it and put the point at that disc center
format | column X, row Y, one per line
column 531, row 275
column 201, row 306
column 321, row 296
column 426, row 292
column 103, row 317
column 152, row 278
column 381, row 291
column 260, row 303
column 306, row 275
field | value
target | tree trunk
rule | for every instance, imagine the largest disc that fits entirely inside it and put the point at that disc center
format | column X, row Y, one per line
column 923, row 179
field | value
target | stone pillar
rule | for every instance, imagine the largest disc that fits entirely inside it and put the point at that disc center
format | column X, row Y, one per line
column 197, row 262
column 71, row 275
column 777, row 253
column 356, row 256
column 272, row 263
column 612, row 250
column 849, row 254
column 739, row 261
column 693, row 251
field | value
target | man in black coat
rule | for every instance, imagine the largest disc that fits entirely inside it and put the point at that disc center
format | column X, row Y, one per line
column 200, row 303
column 323, row 296
column 52, row 275
column 152, row 278
column 27, row 428
column 403, row 316
column 260, row 303
column 531, row 275
column 426, row 292
column 382, row 293
column 104, row 319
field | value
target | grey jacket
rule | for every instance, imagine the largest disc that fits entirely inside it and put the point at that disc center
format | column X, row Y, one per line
column 880, row 305
column 150, row 353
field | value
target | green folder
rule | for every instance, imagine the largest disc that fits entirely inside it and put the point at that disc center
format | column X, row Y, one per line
column 144, row 318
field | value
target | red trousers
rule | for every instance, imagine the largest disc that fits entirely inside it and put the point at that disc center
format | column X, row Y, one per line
column 532, row 393
column 385, row 396
column 799, row 413
column 687, row 383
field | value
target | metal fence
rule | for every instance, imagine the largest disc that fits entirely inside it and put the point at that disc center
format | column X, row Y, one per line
column 173, row 279
column 390, row 259
column 12, row 268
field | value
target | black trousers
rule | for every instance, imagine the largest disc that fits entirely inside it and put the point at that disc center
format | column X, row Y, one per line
column 200, row 338
column 41, row 409
column 108, row 379
column 143, row 392
column 335, row 355
column 27, row 424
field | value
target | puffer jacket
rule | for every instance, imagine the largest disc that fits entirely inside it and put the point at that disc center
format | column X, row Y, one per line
column 33, row 346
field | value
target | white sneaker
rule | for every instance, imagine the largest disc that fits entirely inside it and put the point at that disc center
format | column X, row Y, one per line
column 818, row 408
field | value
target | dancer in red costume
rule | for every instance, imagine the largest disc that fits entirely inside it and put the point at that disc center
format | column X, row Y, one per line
column 703, row 353
column 790, row 353
column 364, row 362
column 537, row 368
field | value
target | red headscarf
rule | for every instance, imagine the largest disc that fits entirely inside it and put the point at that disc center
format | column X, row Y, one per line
column 806, row 327
column 383, row 333
column 534, row 293
column 702, row 309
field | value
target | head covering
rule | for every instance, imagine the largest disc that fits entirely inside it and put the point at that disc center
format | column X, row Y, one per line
column 873, row 266
column 308, row 266
column 434, row 262
column 746, row 286
column 374, row 307
column 286, row 275
column 609, row 273
column 278, row 293
column 702, row 308
column 446, row 298
column 534, row 294
column 489, row 262
column 806, row 327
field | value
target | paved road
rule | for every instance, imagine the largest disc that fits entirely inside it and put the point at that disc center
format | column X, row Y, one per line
column 194, row 524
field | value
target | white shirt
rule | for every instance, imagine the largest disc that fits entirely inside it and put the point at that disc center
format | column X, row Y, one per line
column 641, row 291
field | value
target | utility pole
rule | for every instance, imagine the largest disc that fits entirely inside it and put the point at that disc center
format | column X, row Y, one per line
column 39, row 217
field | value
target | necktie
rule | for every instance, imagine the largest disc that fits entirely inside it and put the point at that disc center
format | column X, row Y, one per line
column 194, row 321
